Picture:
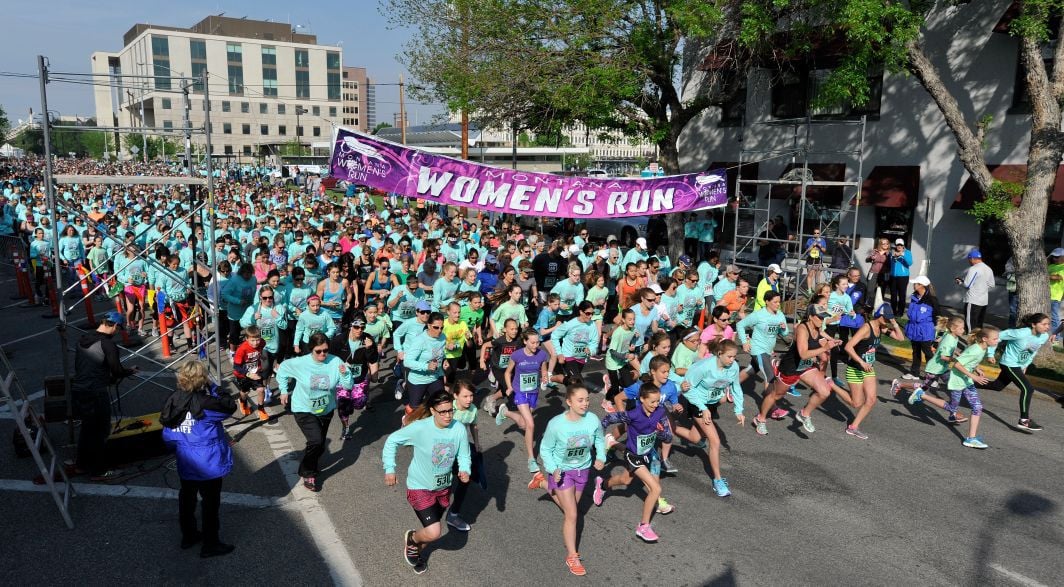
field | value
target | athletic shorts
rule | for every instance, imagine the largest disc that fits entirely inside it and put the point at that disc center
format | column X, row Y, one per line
column 855, row 375
column 762, row 363
column 246, row 385
column 138, row 292
column 429, row 505
column 573, row 370
column 692, row 410
column 529, row 399
column 573, row 478
column 635, row 462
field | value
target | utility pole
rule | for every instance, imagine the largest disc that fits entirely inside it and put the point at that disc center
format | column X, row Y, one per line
column 188, row 127
column 402, row 111
column 299, row 128
column 143, row 125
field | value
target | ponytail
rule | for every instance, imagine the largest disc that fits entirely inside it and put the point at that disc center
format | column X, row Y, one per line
column 424, row 410
column 1030, row 320
column 723, row 345
column 981, row 334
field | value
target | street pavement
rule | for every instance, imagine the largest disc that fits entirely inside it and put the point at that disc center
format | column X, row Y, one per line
column 909, row 506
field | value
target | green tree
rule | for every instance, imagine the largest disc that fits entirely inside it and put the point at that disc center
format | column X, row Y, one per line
column 5, row 124
column 379, row 126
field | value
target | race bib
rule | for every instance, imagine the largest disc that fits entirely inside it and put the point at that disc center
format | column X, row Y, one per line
column 869, row 356
column 1024, row 356
column 576, row 448
column 356, row 370
column 645, row 442
column 268, row 332
column 406, row 310
column 805, row 364
column 772, row 329
column 504, row 360
column 718, row 390
column 580, row 350
column 318, row 404
column 442, row 480
column 529, row 382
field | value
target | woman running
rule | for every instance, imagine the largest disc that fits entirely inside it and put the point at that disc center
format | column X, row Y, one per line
column 566, row 451
column 647, row 423
column 525, row 377
column 767, row 324
column 860, row 372
column 438, row 442
column 424, row 363
column 1021, row 345
column 359, row 351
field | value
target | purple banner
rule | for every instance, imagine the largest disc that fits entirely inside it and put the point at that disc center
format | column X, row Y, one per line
column 383, row 165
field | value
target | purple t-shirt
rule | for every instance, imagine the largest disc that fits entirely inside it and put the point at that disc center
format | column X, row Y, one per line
column 526, row 370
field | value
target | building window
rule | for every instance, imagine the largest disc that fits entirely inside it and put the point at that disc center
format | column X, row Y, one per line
column 280, row 108
column 302, row 83
column 994, row 243
column 245, row 108
column 197, row 49
column 269, row 81
column 160, row 47
column 236, row 80
column 733, row 105
column 162, row 73
column 229, row 149
column 332, row 60
column 245, row 129
column 299, row 131
column 269, row 56
column 226, row 106
column 167, row 124
column 247, row 150
column 794, row 93
column 227, row 129
column 894, row 223
column 165, row 103
column 282, row 130
column 198, row 69
column 332, row 111
column 264, row 129
column 234, row 53
column 262, row 108
column 315, row 110
column 333, row 81
column 317, row 131
column 302, row 58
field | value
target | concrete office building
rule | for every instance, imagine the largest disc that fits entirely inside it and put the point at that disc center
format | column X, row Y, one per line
column 355, row 99
column 269, row 85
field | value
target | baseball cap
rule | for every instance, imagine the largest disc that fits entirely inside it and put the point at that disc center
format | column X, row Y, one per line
column 603, row 254
column 921, row 280
column 574, row 249
column 685, row 260
column 732, row 269
column 490, row 259
column 611, row 238
column 1057, row 252
column 655, row 288
column 359, row 322
column 975, row 254
column 884, row 311
column 423, row 306
column 641, row 242
column 115, row 317
column 819, row 311
column 899, row 242
column 774, row 268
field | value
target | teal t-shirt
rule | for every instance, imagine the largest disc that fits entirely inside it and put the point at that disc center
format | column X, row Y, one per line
column 567, row 444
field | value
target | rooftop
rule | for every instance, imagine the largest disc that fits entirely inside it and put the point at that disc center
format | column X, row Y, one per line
column 225, row 26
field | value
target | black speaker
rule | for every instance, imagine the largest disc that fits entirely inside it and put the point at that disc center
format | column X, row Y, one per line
column 136, row 439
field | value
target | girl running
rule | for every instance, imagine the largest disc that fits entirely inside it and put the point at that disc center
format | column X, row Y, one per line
column 767, row 324
column 525, row 376
column 647, row 423
column 936, row 372
column 1021, row 345
column 465, row 412
column 860, row 373
column 438, row 442
column 497, row 352
column 566, row 451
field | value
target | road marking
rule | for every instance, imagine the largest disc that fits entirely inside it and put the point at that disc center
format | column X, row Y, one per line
column 318, row 522
column 1016, row 577
column 141, row 492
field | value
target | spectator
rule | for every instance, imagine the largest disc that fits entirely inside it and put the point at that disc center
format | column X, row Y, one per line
column 901, row 260
column 977, row 281
column 706, row 234
column 923, row 313
column 879, row 272
column 842, row 258
column 771, row 282
column 1056, row 287
column 1014, row 296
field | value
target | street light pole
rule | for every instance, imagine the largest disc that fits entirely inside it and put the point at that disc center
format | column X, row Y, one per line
column 299, row 128
column 402, row 111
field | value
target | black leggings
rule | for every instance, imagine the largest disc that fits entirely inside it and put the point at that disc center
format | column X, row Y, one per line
column 899, row 292
column 1015, row 375
column 459, row 489
column 839, row 352
column 211, row 492
column 921, row 352
column 314, row 428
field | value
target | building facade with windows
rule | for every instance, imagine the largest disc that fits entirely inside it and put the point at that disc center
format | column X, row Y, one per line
column 269, row 85
column 914, row 186
column 355, row 95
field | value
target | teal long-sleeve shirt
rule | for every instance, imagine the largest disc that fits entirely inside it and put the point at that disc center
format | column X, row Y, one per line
column 238, row 293
column 270, row 322
column 312, row 384
column 309, row 323
column 1021, row 345
column 407, row 331
column 709, row 383
column 766, row 326
column 567, row 444
column 435, row 451
column 419, row 352
column 443, row 293
column 579, row 340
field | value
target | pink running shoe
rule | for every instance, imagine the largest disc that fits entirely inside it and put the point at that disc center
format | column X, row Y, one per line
column 646, row 533
column 598, row 493
column 778, row 414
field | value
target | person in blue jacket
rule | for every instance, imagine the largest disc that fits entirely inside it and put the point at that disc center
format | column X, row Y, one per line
column 901, row 260
column 192, row 420
column 923, row 313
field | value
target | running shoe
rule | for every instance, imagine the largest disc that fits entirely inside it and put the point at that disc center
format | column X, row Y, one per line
column 975, row 442
column 839, row 382
column 856, row 432
column 1028, row 424
column 721, row 487
column 778, row 414
column 347, row 435
column 411, row 551
column 311, row 484
column 910, row 377
column 533, row 466
column 455, row 521
column 646, row 533
column 500, row 416
column 575, row 566
column 805, row 421
column 669, row 467
column 664, row 508
column 916, row 396
column 955, row 419
column 934, row 384
column 598, row 493
column 537, row 480
column 398, row 392
column 605, row 384
column 489, row 404
column 263, row 416
column 245, row 408
column 895, row 385
column 759, row 426
column 420, row 567
column 700, row 444
column 793, row 391
column 611, row 441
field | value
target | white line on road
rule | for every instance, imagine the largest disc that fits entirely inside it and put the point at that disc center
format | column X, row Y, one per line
column 136, row 491
column 1016, row 577
column 318, row 522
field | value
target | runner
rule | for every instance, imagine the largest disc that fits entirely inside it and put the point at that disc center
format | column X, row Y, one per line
column 566, row 451
column 404, row 333
column 465, row 412
column 767, row 325
column 525, row 377
column 309, row 384
column 936, row 372
column 359, row 351
column 271, row 319
column 860, row 372
column 312, row 321
column 458, row 336
column 438, row 442
column 424, row 363
column 1021, row 345
column 647, row 423
column 248, row 372
column 578, row 340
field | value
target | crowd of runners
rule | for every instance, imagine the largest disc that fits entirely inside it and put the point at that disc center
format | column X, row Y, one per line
column 320, row 296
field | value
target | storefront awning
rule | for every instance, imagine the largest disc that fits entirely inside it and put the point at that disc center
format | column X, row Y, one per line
column 970, row 194
column 892, row 186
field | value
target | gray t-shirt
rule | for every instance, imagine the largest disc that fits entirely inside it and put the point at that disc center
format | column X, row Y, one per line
column 978, row 280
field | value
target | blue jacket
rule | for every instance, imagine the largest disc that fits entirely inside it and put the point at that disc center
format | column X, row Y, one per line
column 203, row 451
column 899, row 266
column 922, row 314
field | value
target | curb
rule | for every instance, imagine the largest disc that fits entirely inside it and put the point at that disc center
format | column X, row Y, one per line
column 902, row 353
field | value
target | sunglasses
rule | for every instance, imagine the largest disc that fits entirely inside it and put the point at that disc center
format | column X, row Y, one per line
column 587, row 313
column 724, row 318
column 265, row 297
column 435, row 326
column 423, row 312
column 320, row 351
column 650, row 299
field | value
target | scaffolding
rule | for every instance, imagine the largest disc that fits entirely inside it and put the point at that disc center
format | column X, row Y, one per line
column 202, row 211
column 753, row 215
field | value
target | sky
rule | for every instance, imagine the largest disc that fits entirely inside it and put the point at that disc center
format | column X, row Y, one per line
column 68, row 31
